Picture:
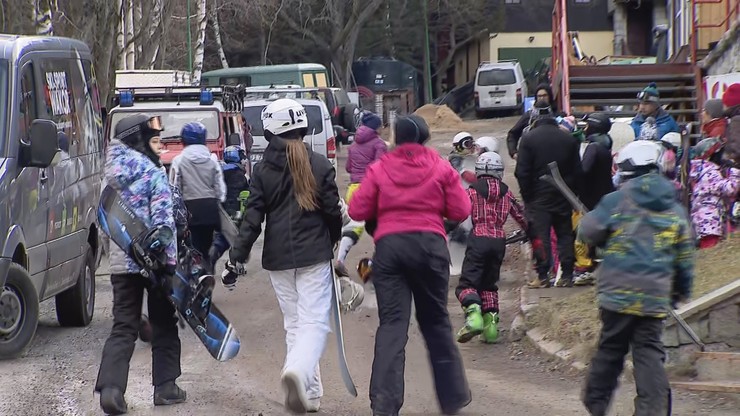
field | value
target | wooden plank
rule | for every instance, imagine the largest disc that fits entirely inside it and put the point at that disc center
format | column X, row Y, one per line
column 715, row 386
column 644, row 70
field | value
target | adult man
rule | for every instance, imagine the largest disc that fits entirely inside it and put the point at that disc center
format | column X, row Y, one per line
column 649, row 109
column 543, row 94
column 545, row 205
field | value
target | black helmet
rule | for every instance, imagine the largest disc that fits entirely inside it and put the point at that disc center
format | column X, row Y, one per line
column 411, row 129
column 136, row 130
column 597, row 123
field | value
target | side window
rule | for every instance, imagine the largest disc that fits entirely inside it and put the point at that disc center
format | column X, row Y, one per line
column 28, row 102
column 86, row 97
column 59, row 102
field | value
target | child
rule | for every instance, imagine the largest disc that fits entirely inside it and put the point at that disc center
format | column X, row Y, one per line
column 367, row 148
column 709, row 191
column 713, row 122
column 235, row 179
column 201, row 182
column 492, row 202
column 647, row 265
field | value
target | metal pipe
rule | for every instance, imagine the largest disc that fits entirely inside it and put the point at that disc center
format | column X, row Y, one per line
column 564, row 54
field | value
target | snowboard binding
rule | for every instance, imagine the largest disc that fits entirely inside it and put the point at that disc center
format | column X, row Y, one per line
column 149, row 250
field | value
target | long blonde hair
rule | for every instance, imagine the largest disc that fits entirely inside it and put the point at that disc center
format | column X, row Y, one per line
column 304, row 183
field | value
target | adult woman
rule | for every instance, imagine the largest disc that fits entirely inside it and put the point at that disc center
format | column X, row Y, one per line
column 410, row 191
column 295, row 189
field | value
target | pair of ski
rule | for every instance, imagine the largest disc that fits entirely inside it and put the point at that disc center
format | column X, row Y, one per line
column 230, row 232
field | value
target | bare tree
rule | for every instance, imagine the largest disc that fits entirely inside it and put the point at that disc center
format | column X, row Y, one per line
column 43, row 16
column 213, row 16
column 200, row 46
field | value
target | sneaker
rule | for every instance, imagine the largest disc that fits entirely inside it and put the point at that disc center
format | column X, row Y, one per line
column 295, row 393
column 584, row 279
column 313, row 405
column 168, row 393
column 112, row 401
column 228, row 279
column 564, row 282
column 473, row 324
column 537, row 283
column 340, row 269
column 490, row 327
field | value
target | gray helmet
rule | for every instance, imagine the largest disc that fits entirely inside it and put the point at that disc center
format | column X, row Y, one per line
column 489, row 164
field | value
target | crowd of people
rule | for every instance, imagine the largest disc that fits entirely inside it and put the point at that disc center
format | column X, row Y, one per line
column 409, row 200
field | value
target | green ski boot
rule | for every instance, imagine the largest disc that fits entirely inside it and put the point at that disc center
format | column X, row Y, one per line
column 490, row 327
column 473, row 324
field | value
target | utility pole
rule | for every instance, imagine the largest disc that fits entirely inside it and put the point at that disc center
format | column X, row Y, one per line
column 190, row 43
column 427, row 55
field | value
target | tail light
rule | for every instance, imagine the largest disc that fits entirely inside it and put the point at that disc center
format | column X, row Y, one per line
column 331, row 148
column 336, row 111
column 477, row 100
column 518, row 95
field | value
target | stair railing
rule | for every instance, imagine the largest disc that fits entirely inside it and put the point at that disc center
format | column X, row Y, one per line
column 732, row 8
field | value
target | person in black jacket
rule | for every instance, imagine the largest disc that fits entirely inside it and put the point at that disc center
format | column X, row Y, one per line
column 295, row 189
column 597, row 160
column 543, row 94
column 545, row 205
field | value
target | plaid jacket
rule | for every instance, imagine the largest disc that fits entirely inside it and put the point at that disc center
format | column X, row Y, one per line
column 492, row 203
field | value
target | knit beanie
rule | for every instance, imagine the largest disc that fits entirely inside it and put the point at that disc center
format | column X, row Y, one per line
column 714, row 108
column 731, row 97
column 371, row 120
column 649, row 94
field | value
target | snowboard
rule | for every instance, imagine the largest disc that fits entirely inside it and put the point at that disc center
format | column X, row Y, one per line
column 228, row 228
column 336, row 311
column 191, row 288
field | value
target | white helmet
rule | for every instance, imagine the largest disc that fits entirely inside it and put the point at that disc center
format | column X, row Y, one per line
column 489, row 164
column 487, row 144
column 462, row 140
column 639, row 157
column 672, row 138
column 284, row 115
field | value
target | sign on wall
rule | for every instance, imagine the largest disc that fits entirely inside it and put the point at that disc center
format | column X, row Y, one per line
column 715, row 85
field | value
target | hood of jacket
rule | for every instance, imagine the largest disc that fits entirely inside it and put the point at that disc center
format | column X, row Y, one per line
column 602, row 139
column 365, row 134
column 196, row 153
column 410, row 164
column 490, row 189
column 124, row 165
column 651, row 191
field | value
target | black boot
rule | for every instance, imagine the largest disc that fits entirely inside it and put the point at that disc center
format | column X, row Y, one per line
column 112, row 402
column 168, row 393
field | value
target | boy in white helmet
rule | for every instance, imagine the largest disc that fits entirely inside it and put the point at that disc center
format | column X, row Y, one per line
column 492, row 203
column 647, row 267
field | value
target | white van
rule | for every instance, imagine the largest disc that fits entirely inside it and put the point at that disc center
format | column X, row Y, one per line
column 499, row 86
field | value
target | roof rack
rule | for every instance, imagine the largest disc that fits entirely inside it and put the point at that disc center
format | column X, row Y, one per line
column 500, row 61
column 232, row 97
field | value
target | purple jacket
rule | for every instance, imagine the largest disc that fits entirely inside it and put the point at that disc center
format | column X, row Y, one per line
column 367, row 148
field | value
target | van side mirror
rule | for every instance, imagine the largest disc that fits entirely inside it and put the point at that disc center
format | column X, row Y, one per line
column 234, row 139
column 42, row 149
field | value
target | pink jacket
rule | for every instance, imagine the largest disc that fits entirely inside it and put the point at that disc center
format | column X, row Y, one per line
column 410, row 189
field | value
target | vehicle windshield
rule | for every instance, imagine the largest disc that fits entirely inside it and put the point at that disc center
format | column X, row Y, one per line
column 173, row 120
column 496, row 77
column 4, row 97
column 252, row 115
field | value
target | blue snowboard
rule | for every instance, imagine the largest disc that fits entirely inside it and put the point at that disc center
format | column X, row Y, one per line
column 191, row 287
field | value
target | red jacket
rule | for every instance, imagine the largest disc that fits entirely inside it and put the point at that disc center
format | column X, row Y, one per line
column 411, row 189
column 492, row 203
column 715, row 128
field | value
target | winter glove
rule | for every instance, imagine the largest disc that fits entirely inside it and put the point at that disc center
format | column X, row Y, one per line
column 235, row 257
column 450, row 225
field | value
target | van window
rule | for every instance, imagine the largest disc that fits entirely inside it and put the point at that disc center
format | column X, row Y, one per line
column 503, row 76
column 91, row 118
column 56, row 78
column 321, row 80
column 173, row 121
column 4, row 112
column 308, row 80
column 253, row 116
column 28, row 102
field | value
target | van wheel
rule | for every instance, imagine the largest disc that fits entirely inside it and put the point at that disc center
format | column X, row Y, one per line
column 75, row 306
column 19, row 312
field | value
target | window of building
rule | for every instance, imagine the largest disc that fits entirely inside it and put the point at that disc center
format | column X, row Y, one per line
column 581, row 1
column 512, row 1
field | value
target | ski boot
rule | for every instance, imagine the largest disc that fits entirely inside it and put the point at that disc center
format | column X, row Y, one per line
column 112, row 401
column 473, row 324
column 352, row 294
column 490, row 327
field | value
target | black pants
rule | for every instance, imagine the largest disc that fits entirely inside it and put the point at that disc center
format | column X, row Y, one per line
column 128, row 292
column 542, row 220
column 480, row 272
column 201, row 236
column 619, row 333
column 405, row 266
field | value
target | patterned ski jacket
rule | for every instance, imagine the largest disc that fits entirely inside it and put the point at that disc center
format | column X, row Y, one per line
column 648, row 247
column 144, row 187
column 492, row 203
column 709, row 190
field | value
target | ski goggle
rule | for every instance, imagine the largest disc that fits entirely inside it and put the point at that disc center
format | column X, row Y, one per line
column 645, row 97
column 466, row 143
column 155, row 123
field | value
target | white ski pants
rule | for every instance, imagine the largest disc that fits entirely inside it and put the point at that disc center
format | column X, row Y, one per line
column 304, row 296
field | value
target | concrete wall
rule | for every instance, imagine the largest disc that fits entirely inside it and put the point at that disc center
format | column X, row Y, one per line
column 725, row 57
column 598, row 44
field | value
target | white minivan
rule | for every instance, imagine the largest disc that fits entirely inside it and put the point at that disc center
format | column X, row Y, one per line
column 499, row 86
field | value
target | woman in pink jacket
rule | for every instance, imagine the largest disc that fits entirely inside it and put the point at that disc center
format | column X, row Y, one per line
column 409, row 192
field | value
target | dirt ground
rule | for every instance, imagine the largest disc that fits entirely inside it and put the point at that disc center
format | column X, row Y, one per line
column 57, row 374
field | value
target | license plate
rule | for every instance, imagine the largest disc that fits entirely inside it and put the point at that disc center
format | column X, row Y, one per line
column 255, row 157
column 497, row 93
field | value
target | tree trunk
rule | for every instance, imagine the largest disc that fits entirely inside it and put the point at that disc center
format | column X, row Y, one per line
column 200, row 45
column 121, row 35
column 130, row 41
column 217, row 34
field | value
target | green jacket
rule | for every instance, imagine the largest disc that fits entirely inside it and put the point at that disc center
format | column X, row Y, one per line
column 648, row 247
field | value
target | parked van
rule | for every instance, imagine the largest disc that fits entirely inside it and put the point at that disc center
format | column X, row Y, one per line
column 305, row 74
column 51, row 171
column 499, row 86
